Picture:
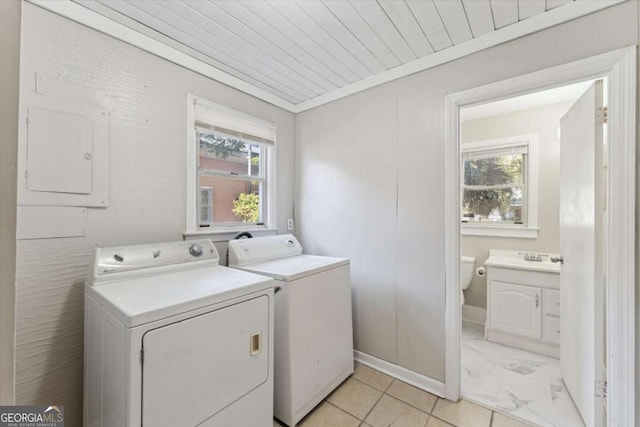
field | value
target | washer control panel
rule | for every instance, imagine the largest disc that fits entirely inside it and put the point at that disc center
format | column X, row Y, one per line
column 260, row 249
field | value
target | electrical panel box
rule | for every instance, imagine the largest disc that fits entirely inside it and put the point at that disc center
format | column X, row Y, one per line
column 59, row 151
column 64, row 153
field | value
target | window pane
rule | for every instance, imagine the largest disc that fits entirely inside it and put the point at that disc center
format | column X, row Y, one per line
column 493, row 205
column 206, row 205
column 254, row 159
column 234, row 200
column 225, row 154
column 499, row 170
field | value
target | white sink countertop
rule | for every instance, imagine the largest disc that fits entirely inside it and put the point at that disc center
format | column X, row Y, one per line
column 516, row 260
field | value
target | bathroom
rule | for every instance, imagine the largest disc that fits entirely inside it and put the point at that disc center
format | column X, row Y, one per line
column 510, row 242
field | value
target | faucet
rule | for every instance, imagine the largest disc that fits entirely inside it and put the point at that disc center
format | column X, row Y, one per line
column 532, row 256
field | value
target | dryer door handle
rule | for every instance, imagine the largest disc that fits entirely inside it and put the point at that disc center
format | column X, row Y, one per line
column 255, row 343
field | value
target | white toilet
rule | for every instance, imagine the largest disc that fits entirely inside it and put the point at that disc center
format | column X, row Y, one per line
column 467, row 264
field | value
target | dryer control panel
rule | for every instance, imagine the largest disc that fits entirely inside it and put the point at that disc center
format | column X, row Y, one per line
column 148, row 260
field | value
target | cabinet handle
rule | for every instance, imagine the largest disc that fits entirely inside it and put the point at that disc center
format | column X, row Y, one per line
column 537, row 300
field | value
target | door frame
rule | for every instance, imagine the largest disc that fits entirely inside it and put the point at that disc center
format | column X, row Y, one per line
column 620, row 67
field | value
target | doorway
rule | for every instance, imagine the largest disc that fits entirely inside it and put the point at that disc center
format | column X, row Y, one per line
column 518, row 173
column 618, row 268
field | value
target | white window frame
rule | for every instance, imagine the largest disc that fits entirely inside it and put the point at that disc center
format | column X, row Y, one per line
column 268, row 161
column 496, row 229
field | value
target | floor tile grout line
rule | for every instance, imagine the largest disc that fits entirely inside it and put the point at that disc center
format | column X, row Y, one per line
column 374, row 405
column 343, row 410
column 503, row 413
column 408, row 404
column 435, row 402
column 393, row 380
column 444, row 421
column 368, row 385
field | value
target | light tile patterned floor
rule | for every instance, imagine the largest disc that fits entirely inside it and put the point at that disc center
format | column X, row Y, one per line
column 370, row 398
column 522, row 384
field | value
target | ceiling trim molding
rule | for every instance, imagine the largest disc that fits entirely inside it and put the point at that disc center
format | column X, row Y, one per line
column 568, row 12
column 106, row 25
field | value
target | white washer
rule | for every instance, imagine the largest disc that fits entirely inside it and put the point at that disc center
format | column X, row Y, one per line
column 313, row 325
column 174, row 339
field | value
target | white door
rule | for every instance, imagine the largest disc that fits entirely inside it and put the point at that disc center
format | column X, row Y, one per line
column 195, row 368
column 581, row 243
column 516, row 309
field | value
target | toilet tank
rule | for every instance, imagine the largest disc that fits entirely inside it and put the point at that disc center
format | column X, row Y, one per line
column 467, row 264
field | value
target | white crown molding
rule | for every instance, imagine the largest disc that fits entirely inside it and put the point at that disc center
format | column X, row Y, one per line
column 85, row 16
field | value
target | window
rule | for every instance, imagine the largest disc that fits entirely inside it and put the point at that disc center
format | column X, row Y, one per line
column 229, row 155
column 498, row 188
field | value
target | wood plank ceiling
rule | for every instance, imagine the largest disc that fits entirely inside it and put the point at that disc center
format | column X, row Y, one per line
column 299, row 50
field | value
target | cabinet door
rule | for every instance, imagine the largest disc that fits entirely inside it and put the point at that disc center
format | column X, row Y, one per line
column 551, row 330
column 516, row 309
column 551, row 302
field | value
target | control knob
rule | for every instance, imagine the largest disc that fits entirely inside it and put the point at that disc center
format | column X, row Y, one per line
column 195, row 250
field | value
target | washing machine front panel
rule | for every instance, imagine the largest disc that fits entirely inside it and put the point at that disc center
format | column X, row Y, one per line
column 320, row 334
column 195, row 368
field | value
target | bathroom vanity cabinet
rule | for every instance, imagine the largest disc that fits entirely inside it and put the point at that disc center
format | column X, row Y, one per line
column 523, row 303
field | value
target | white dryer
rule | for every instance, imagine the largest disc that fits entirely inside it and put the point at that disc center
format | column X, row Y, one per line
column 313, row 324
column 174, row 339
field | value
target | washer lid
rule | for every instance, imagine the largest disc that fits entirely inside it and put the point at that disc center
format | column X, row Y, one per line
column 142, row 300
column 295, row 267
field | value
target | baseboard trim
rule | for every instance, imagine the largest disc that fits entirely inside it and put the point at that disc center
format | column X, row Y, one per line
column 403, row 374
column 474, row 315
column 523, row 343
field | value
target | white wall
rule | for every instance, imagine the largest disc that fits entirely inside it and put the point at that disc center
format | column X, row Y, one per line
column 147, row 105
column 370, row 182
column 10, row 13
column 544, row 122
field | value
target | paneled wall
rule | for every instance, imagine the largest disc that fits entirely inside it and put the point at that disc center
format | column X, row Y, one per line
column 146, row 99
column 370, row 182
column 10, row 20
column 543, row 122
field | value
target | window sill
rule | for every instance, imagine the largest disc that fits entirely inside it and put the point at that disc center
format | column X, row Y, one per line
column 225, row 234
column 499, row 231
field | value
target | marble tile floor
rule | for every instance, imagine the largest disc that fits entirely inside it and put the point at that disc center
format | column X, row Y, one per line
column 370, row 398
column 523, row 384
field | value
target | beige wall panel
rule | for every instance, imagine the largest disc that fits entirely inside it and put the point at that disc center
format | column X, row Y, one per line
column 349, row 183
column 414, row 123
